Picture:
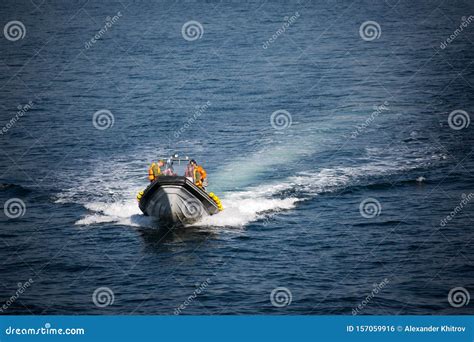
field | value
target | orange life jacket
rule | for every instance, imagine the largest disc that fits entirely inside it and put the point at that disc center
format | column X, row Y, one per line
column 153, row 172
column 199, row 175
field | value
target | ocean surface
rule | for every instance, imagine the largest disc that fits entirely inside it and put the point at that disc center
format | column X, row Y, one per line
column 347, row 185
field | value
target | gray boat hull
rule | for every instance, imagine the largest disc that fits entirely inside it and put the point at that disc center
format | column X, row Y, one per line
column 173, row 199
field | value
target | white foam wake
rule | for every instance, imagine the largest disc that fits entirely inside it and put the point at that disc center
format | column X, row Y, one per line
column 241, row 210
column 251, row 204
column 113, row 200
column 119, row 212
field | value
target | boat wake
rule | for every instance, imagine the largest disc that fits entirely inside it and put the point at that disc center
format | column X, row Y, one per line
column 119, row 206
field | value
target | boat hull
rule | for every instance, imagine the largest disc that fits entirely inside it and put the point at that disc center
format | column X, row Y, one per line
column 174, row 199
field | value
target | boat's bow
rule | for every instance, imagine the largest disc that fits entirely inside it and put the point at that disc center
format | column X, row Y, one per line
column 176, row 199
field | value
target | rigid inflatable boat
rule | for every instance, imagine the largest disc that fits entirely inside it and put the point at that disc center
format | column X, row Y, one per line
column 176, row 200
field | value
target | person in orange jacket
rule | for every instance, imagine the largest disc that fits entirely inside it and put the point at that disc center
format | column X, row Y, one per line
column 199, row 174
column 155, row 170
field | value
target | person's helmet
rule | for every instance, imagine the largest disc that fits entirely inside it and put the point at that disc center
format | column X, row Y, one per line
column 193, row 161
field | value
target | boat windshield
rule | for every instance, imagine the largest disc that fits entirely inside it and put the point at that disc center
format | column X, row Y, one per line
column 175, row 167
column 168, row 170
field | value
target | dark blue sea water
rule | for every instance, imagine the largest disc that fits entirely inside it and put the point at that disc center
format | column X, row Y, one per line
column 359, row 121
